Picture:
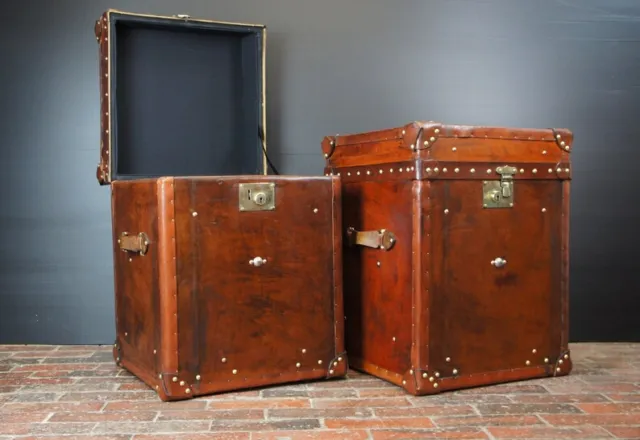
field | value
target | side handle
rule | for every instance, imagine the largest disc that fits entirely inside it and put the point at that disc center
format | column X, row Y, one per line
column 381, row 239
column 134, row 243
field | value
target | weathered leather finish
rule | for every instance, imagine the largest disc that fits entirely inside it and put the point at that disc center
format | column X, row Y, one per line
column 196, row 317
column 468, row 295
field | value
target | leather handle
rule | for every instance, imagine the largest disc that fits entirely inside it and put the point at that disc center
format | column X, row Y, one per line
column 134, row 243
column 381, row 239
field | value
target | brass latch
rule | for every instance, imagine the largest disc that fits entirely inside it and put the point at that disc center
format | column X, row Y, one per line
column 382, row 239
column 499, row 194
column 134, row 243
column 257, row 197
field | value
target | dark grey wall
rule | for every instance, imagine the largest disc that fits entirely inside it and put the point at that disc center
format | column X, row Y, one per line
column 334, row 66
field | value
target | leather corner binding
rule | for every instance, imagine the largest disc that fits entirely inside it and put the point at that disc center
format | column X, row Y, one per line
column 563, row 365
column 420, row 135
column 338, row 366
column 563, row 138
column 419, row 383
column 117, row 352
column 172, row 387
column 328, row 146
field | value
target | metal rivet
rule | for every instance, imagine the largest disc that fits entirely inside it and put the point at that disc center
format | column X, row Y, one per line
column 331, row 143
column 435, row 385
column 426, row 143
column 566, row 356
column 304, row 350
column 235, row 371
column 551, row 170
column 473, row 170
column 403, row 132
column 320, row 362
column 335, row 364
column 432, row 139
column 457, row 170
column 455, row 371
column 381, row 171
column 558, row 369
column 195, row 214
column 448, row 359
column 298, row 365
column 528, row 363
column 182, row 383
column 544, row 151
column 489, row 171
column 521, row 170
column 339, row 359
column 534, row 171
column 436, row 131
column 348, row 174
column 117, row 359
column 330, row 371
column 126, row 333
column 562, row 144
column 315, row 210
column 566, row 148
column 454, row 149
column 198, row 377
column 188, row 391
column 413, row 147
column 368, row 172
column 566, row 170
column 378, row 264
column 431, row 379
column 558, row 136
column 424, row 375
column 410, row 371
column 175, row 379
column 446, row 211
column 326, row 174
column 558, row 170
column 160, row 376
column 326, row 155
column 157, row 387
column 435, row 170
column 534, row 351
column 560, row 361
column 224, row 360
column 391, row 170
column 404, row 382
column 546, row 360
column 393, row 339
column 444, row 170
column 428, row 170
column 437, row 374
column 358, row 173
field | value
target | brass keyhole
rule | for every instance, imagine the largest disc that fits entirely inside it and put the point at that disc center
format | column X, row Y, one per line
column 495, row 196
column 260, row 198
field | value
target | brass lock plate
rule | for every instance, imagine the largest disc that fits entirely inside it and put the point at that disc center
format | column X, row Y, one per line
column 499, row 193
column 257, row 196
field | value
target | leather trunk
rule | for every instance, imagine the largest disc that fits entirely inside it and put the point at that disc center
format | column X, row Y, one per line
column 226, row 278
column 215, row 292
column 456, row 255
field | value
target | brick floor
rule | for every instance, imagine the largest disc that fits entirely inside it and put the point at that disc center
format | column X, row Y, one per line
column 53, row 392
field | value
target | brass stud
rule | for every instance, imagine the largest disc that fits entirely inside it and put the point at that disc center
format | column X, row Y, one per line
column 410, row 371
column 448, row 359
column 454, row 149
column 188, row 391
column 413, row 147
column 326, row 155
column 198, row 377
column 339, row 359
column 544, row 151
column 400, row 170
column 551, row 170
column 235, row 371
column 175, row 379
column 155, row 351
column 117, row 359
column 224, row 360
column 489, row 171
column 330, row 371
column 381, row 171
column 446, row 211
column 558, row 136
column 444, row 170
column 368, row 172
column 404, row 382
column 160, row 376
column 298, row 365
column 437, row 374
column 391, row 170
column 534, row 171
column 378, row 264
column 528, row 363
column 562, row 144
column 546, row 360
column 534, row 351
column 403, row 132
column 348, row 174
column 331, row 143
column 126, row 333
column 428, row 170
column 558, row 369
column 457, row 170
column 426, row 143
column 455, row 371
column 432, row 139
column 566, row 356
column 157, row 387
column 195, row 214
column 424, row 375
column 558, row 170
column 393, row 339
column 521, row 170
column 566, row 170
column 182, row 383
column 435, row 170
column 335, row 364
column 473, row 170
column 435, row 385
column 567, row 148
column 431, row 379
column 304, row 350
column 315, row 210
column 560, row 361
column 320, row 362
column 436, row 131
column 358, row 173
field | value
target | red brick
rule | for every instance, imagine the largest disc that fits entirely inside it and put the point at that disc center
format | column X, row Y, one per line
column 78, row 437
column 22, row 417
column 528, row 408
column 49, row 373
column 413, row 422
column 208, row 436
column 425, row 411
column 54, row 367
column 271, row 425
column 125, row 416
column 176, row 427
column 487, row 421
column 156, row 406
column 36, row 381
column 68, row 387
column 624, row 397
column 367, row 382
column 60, row 428
column 9, row 389
column 241, row 414
column 453, row 398
column 14, row 428
column 310, row 435
column 107, row 396
column 259, row 404
column 315, row 413
column 509, row 388
column 361, row 403
column 52, row 407
column 333, row 394
column 382, row 392
column 608, row 408
column 586, row 432
column 592, row 419
column 51, row 354
column 458, row 433
column 558, row 398
column 17, row 348
column 630, row 432
column 134, row 386
column 593, row 388
column 35, row 397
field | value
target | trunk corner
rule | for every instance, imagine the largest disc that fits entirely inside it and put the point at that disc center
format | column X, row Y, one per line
column 420, row 135
column 338, row 366
column 563, row 138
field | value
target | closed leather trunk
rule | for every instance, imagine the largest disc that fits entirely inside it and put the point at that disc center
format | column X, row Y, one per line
column 215, row 292
column 456, row 253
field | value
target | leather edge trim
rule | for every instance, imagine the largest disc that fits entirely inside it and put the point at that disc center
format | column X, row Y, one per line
column 338, row 291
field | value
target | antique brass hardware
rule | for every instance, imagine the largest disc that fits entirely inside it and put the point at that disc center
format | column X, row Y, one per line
column 499, row 194
column 257, row 197
column 258, row 261
column 498, row 262
column 382, row 239
column 134, row 243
